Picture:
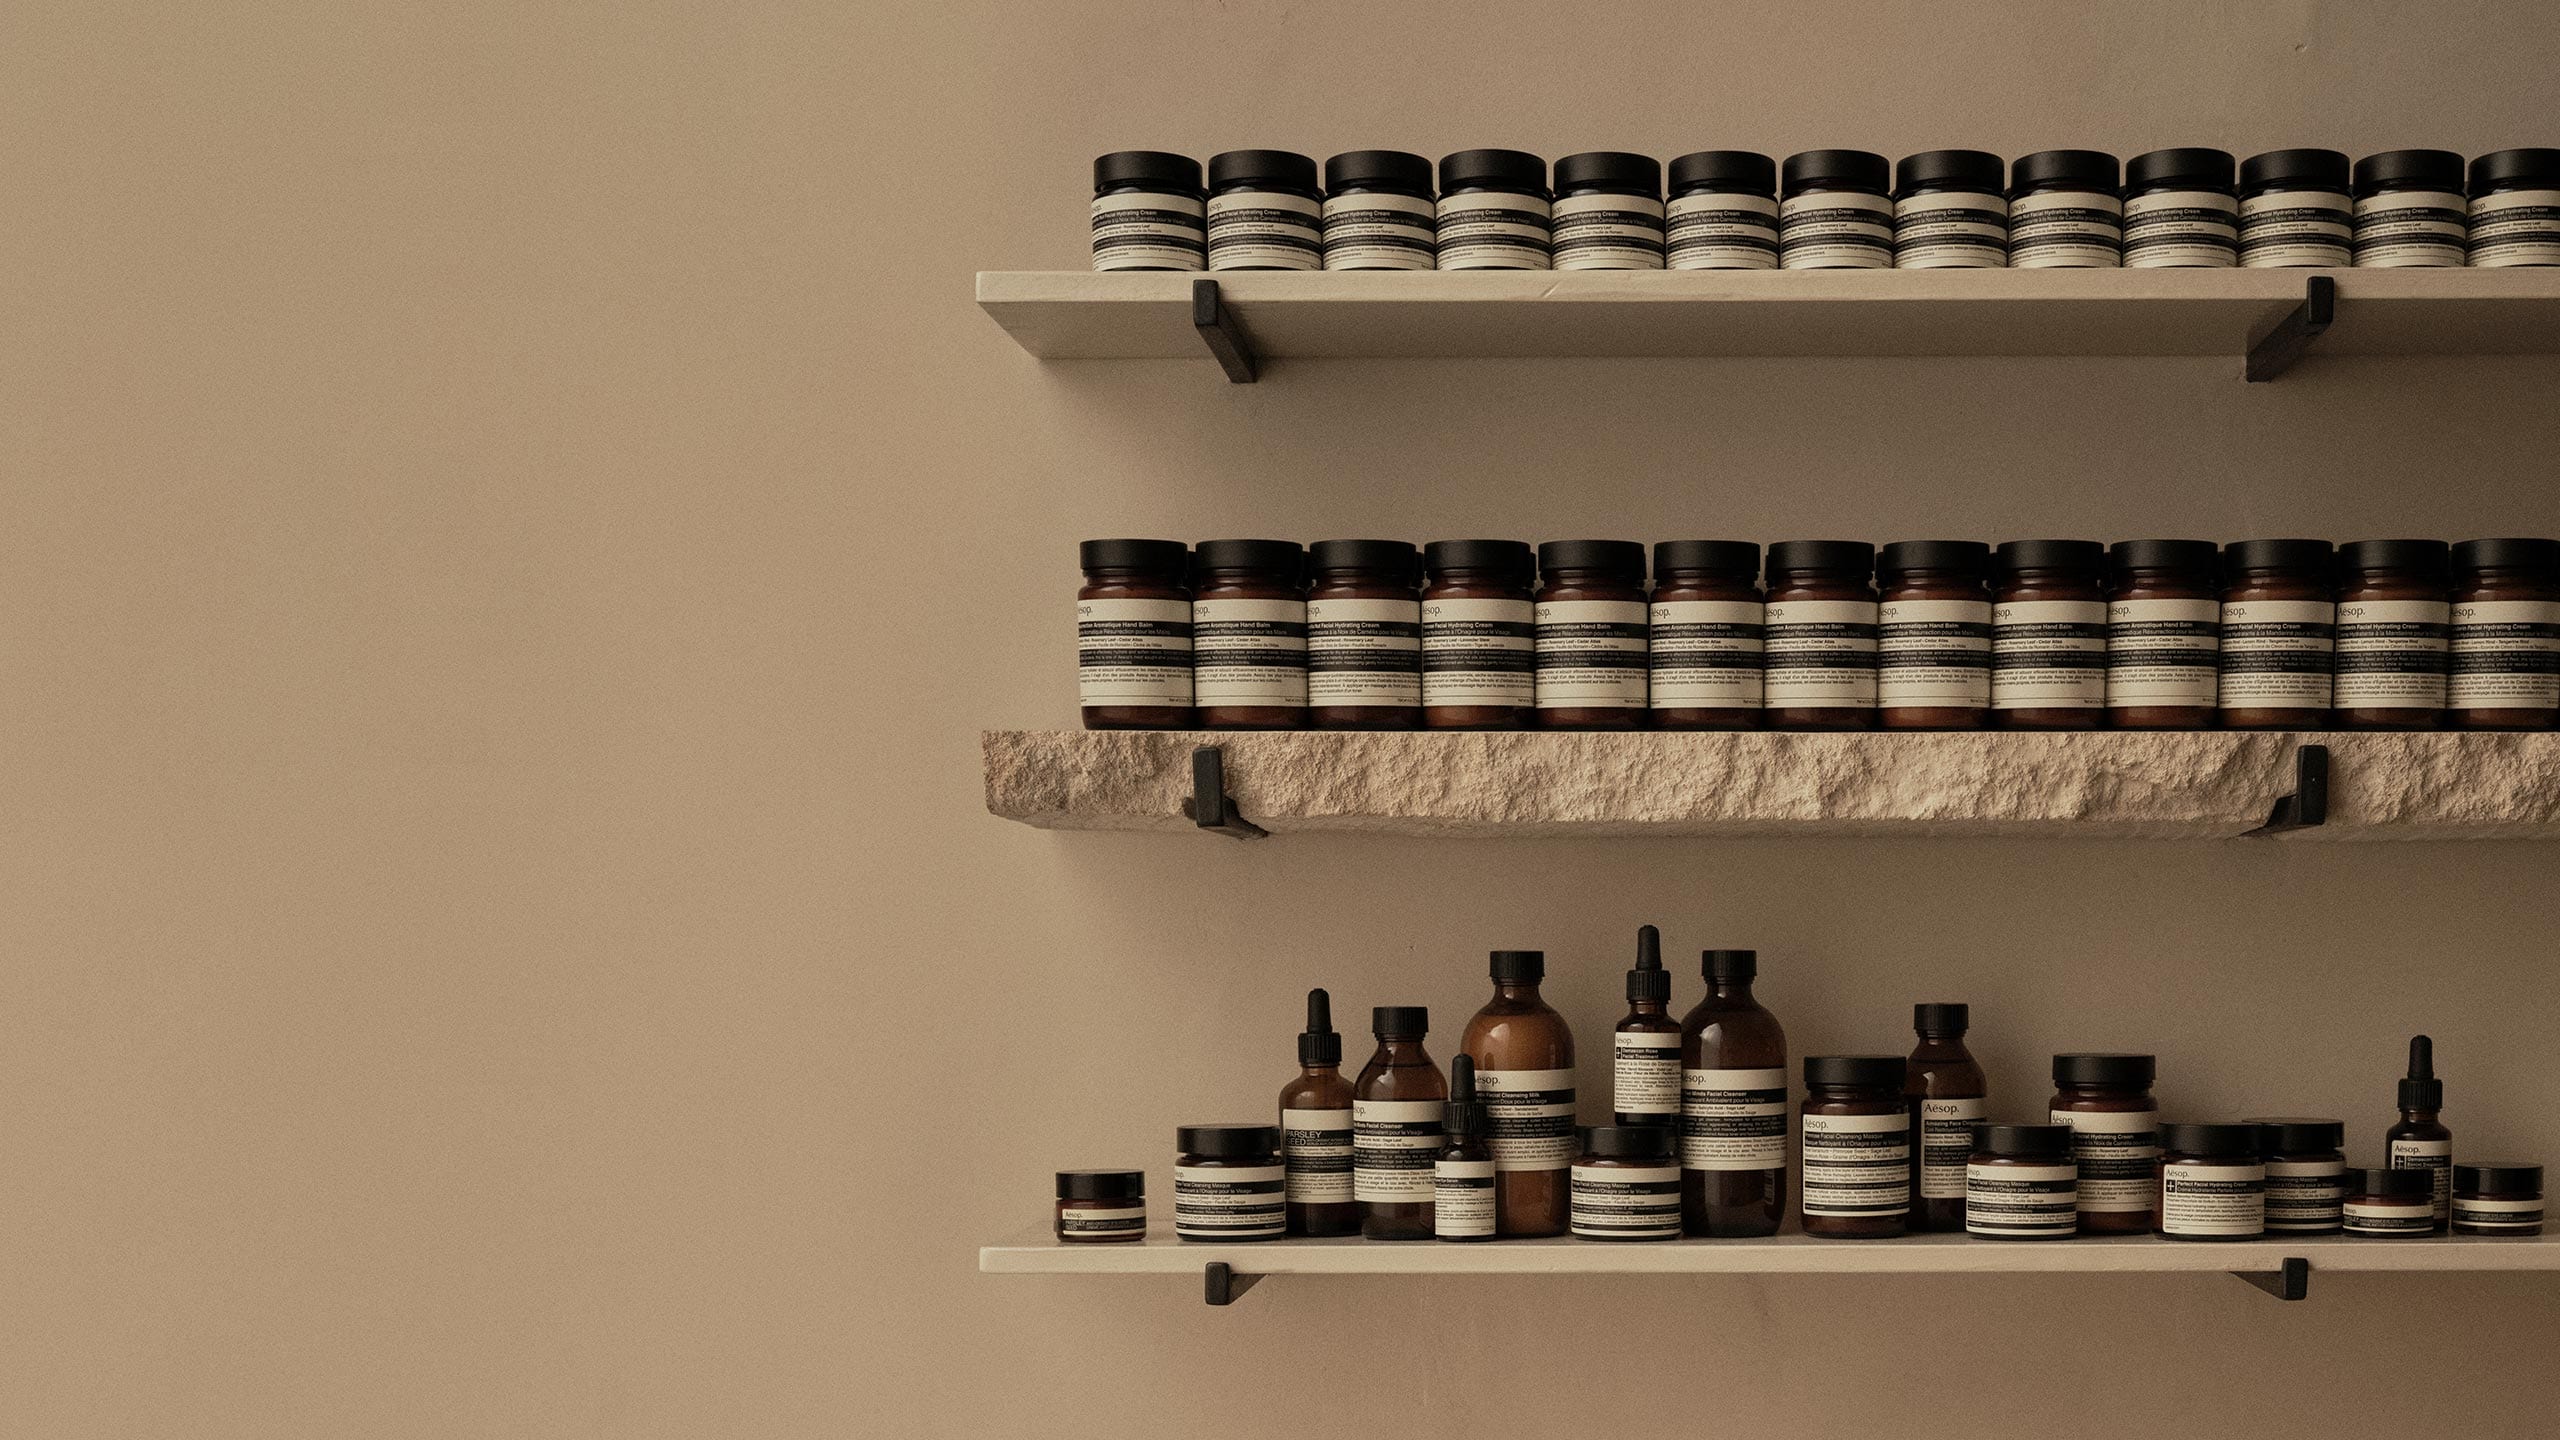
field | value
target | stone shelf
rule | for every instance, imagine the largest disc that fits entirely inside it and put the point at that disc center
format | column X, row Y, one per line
column 2099, row 785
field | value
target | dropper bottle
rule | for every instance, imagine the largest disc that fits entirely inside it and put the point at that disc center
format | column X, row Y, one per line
column 1645, row 1083
column 2420, row 1141
column 1315, row 1131
column 1462, row 1173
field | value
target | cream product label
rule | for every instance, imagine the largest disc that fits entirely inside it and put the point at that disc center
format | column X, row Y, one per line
column 1951, row 230
column 2163, row 652
column 1265, row 230
column 1528, row 1118
column 1933, row 654
column 1819, row 655
column 1364, row 653
column 1461, row 1197
column 2516, row 227
column 1946, row 1144
column 1706, row 655
column 2392, row 653
column 1591, row 654
column 1116, row 1221
column 2049, row 655
column 1228, row 1202
column 1133, row 652
column 1835, row 230
column 1494, row 230
column 2305, row 1194
column 2400, row 1217
column 1733, row 1119
column 1608, row 232
column 1371, row 230
column 2506, row 655
column 1714, row 230
column 2011, row 1200
column 1249, row 652
column 1144, row 230
column 1479, row 652
column 2497, row 1213
column 2181, row 228
column 1393, row 1143
column 2114, row 1151
column 1315, row 1148
column 1647, row 1075
column 2277, row 653
column 2296, row 227
column 2400, row 228
column 2436, row 1158
column 1857, row 1165
column 1626, row 1202
column 2066, row 230
column 2213, row 1199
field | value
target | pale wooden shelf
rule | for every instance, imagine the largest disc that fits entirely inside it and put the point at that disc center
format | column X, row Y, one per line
column 2097, row 785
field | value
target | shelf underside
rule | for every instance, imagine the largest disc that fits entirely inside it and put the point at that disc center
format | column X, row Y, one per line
column 2097, row 785
column 1393, row 314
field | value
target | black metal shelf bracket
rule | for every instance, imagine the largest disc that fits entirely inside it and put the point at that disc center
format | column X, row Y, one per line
column 1220, row 1285
column 2308, row 805
column 2274, row 352
column 1211, row 807
column 2292, row 1282
column 1224, row 337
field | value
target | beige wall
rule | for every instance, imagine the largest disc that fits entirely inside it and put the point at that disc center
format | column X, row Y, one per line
column 515, row 526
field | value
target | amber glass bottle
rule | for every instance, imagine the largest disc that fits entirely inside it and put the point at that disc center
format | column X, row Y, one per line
column 1946, row 1088
column 1933, row 635
column 1315, row 1130
column 1645, row 1051
column 2420, row 1140
column 1733, row 1105
column 1523, row 1055
column 1396, row 1111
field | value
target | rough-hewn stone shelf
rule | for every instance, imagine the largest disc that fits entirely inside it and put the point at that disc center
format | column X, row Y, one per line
column 2100, row 785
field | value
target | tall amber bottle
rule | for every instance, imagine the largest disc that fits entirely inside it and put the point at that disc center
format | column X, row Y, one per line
column 1733, row 1106
column 1315, row 1130
column 1396, row 1112
column 1947, row 1090
column 1523, row 1055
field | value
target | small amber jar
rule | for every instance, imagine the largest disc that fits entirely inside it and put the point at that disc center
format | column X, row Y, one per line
column 1703, row 642
column 2020, row 1184
column 1479, row 635
column 1229, row 1183
column 2049, row 636
column 1856, row 1133
column 1933, row 635
column 2164, row 635
column 2506, row 635
column 2497, row 1197
column 1133, row 635
column 1101, row 1206
column 2306, row 1173
column 1249, row 634
column 2390, row 1204
column 2115, row 1137
column 2395, row 623
column 1591, row 635
column 1626, row 1185
column 1364, row 635
column 1819, row 644
column 2279, row 634
column 2212, row 1183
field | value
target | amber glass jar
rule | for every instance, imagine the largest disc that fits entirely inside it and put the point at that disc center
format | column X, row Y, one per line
column 1856, row 1135
column 1933, row 635
column 2390, row 1204
column 2279, row 634
column 1704, row 641
column 1249, row 634
column 1229, row 1183
column 1133, row 635
column 2164, row 635
column 2306, row 1173
column 1591, row 635
column 1101, row 1206
column 2395, row 624
column 1364, row 635
column 1479, row 635
column 2106, row 1100
column 2497, row 1197
column 1626, row 1185
column 2020, row 1184
column 2049, row 636
column 2213, row 1183
column 2506, row 635
column 1819, row 644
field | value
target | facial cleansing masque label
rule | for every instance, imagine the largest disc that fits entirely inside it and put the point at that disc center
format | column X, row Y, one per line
column 1133, row 652
column 1626, row 1202
column 1316, row 1151
column 1733, row 1119
column 2305, row 1194
column 1933, row 654
column 1591, row 654
column 2022, row 1200
column 1857, row 1165
column 1820, row 654
column 1706, row 655
column 1479, row 652
column 1364, row 653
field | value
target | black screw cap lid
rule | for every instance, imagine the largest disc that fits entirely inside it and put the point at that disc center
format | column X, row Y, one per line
column 1629, row 1142
column 1170, row 555
column 1507, row 557
column 1400, row 1022
column 1516, row 170
column 2088, row 169
column 1722, row 557
column 2085, row 556
column 1729, row 964
column 1614, row 557
column 2301, row 169
column 2533, row 167
column 1102, row 1184
column 2389, row 1183
column 2277, row 555
column 1969, row 557
column 1147, row 167
column 1941, row 1019
column 2419, row 169
column 1856, row 556
column 1396, row 557
column 2179, row 170
column 2507, row 554
column 2023, row 1142
column 2497, row 1177
column 1275, row 169
column 2126, row 1072
column 1613, row 170
column 1284, row 555
column 1386, row 169
column 1840, row 169
column 1320, row 1043
column 2215, row 1141
column 2427, row 557
column 2198, row 555
column 1746, row 170
column 1866, row 1070
column 1948, row 169
column 1227, row 1142
column 2299, row 1135
column 1648, row 980
column 1519, row 967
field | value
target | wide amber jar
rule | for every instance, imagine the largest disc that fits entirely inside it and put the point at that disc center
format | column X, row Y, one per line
column 1704, row 639
column 1364, row 635
column 1856, row 1133
column 2049, row 636
column 1101, row 1206
column 1819, row 644
column 1933, row 635
column 1479, row 635
column 1590, row 636
column 2506, row 635
column 2164, row 635
column 1133, row 635
column 2395, row 623
column 2279, row 634
column 2106, row 1100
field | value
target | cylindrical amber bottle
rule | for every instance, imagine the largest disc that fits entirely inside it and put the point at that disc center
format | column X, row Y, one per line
column 2106, row 1100
column 1947, row 1090
column 1645, row 1048
column 1706, row 635
column 1933, row 635
column 1857, row 1147
column 1591, row 635
column 2164, row 635
column 2020, row 1184
column 2395, row 626
column 1249, row 634
column 1364, row 635
column 1819, row 644
column 1228, row 1183
column 1626, row 1185
column 1479, row 635
column 2506, row 635
column 1523, row 1054
column 2279, row 634
column 1396, row 1112
column 1315, row 1130
column 2213, row 1183
column 2049, row 636
column 1133, row 635
column 1733, row 1105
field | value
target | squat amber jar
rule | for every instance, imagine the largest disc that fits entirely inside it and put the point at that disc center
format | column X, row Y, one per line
column 1819, row 644
column 2497, row 1197
column 2115, row 1138
column 1479, row 635
column 2279, row 634
column 2213, row 1183
column 2049, row 636
column 2164, row 635
column 1857, row 1147
column 1364, row 635
column 1705, row 635
column 2506, row 635
column 1933, row 635
column 1590, row 637
column 1101, row 1206
column 2394, row 630
column 1133, row 635
column 1249, row 634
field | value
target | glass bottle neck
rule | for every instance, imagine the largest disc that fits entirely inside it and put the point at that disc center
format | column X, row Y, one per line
column 1728, row 989
column 1524, row 990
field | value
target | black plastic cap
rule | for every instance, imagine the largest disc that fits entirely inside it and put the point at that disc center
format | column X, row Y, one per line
column 2514, row 553
column 2120, row 1072
column 1622, row 558
column 2200, row 556
column 1629, row 1142
column 2179, row 170
column 1379, row 169
column 1729, row 964
column 1494, row 170
column 2079, row 556
column 1319, row 1043
column 1948, row 170
column 1102, row 1184
column 2420, row 1089
column 1156, row 169
column 2533, row 168
column 1648, row 980
column 1609, row 170
column 1968, row 558
column 1286, row 556
column 2299, row 1135
column 2295, row 170
column 1227, row 1142
column 2497, row 1177
column 2023, row 1142
column 2214, row 1141
column 2313, row 555
column 1519, row 967
column 2415, row 169
column 1836, row 169
column 1941, row 1019
column 1273, row 169
column 1748, row 171
column 2389, row 1183
column 1395, row 557
column 2428, row 557
column 1869, row 1071
column 2081, row 169
column 1856, row 557
column 1511, row 559
column 1400, row 1022
column 1712, row 557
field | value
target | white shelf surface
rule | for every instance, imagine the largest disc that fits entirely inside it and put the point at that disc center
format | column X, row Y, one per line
column 1078, row 314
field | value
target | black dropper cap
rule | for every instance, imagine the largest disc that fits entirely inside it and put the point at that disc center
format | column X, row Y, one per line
column 1321, row 1044
column 1462, row 1115
column 2422, row 1090
column 1648, row 981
